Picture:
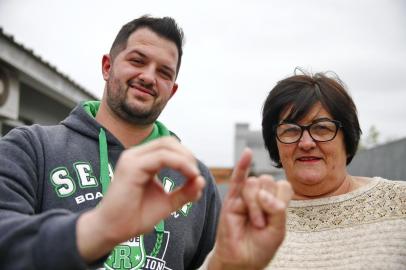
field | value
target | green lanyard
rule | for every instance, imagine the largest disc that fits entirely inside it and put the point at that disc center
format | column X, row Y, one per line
column 105, row 182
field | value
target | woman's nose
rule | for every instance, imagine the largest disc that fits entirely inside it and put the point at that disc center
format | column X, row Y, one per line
column 306, row 142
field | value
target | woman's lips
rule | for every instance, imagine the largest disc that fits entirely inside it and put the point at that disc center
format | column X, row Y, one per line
column 308, row 159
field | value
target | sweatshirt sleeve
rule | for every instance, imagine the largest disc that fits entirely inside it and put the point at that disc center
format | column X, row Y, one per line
column 213, row 208
column 30, row 239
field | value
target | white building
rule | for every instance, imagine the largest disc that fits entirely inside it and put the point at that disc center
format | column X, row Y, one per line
column 244, row 137
column 31, row 90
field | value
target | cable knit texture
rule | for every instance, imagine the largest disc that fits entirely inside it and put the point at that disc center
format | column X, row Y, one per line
column 363, row 229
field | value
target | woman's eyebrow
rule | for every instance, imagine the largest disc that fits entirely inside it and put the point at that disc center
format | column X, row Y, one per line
column 321, row 119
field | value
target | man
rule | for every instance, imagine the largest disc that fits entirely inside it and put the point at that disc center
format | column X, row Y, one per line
column 61, row 209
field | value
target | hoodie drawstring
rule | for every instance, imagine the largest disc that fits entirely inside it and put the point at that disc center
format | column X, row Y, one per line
column 104, row 161
column 105, row 182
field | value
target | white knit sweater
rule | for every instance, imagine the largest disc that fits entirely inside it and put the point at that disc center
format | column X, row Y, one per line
column 363, row 229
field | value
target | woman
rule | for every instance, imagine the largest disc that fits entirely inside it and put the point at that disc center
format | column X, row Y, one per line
column 336, row 220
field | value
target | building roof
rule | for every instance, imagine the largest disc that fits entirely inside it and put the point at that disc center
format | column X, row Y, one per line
column 29, row 51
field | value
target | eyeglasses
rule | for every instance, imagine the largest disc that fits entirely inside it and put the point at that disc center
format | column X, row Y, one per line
column 321, row 131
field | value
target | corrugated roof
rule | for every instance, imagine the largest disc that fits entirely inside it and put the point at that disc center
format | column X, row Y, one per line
column 46, row 63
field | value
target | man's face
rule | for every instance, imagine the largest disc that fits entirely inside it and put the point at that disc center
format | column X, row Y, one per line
column 141, row 78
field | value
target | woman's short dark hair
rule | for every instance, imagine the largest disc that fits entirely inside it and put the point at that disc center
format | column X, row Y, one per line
column 165, row 27
column 299, row 93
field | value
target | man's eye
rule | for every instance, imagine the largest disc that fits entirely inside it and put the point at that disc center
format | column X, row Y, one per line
column 166, row 75
column 136, row 61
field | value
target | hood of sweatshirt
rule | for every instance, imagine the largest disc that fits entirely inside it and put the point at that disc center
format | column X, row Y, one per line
column 82, row 120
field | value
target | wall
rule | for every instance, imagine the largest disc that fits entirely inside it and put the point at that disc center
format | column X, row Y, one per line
column 388, row 161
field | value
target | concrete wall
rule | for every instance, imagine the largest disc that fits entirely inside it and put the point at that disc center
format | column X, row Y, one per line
column 387, row 161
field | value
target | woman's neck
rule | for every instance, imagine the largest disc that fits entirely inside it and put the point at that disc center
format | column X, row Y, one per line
column 348, row 184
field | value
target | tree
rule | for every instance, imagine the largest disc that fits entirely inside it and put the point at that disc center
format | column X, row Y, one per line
column 371, row 139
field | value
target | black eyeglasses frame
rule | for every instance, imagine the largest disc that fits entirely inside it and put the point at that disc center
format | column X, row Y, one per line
column 307, row 127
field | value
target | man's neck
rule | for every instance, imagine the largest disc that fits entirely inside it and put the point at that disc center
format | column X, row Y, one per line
column 127, row 133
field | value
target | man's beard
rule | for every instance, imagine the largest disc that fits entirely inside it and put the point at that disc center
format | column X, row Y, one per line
column 118, row 103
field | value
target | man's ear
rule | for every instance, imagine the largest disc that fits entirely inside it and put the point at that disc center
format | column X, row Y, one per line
column 106, row 66
column 174, row 89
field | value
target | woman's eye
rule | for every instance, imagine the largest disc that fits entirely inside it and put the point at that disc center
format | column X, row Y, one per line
column 323, row 127
column 288, row 131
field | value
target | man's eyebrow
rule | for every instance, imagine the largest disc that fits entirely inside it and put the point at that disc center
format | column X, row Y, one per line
column 137, row 52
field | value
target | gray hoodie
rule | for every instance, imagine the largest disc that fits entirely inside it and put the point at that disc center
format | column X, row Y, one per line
column 49, row 175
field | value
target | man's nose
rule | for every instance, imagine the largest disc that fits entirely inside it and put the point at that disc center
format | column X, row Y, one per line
column 147, row 75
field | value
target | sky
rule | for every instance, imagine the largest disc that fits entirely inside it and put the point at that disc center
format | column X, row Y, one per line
column 235, row 52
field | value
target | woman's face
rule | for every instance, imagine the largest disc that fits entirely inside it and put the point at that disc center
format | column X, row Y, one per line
column 314, row 168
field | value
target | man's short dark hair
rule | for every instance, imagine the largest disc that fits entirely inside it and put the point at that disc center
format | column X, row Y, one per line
column 165, row 27
column 299, row 93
